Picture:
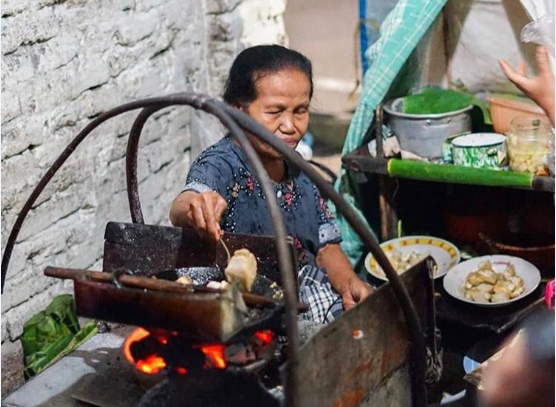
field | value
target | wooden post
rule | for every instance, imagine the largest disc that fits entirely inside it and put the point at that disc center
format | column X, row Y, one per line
column 388, row 216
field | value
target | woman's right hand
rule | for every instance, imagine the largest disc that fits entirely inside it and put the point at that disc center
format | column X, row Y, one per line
column 539, row 88
column 201, row 211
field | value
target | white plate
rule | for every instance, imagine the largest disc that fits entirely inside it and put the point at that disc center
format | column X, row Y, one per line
column 443, row 252
column 455, row 279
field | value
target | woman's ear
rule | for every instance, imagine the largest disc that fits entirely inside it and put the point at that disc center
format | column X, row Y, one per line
column 242, row 107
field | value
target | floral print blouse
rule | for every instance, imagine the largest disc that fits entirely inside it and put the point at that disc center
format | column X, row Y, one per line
column 223, row 168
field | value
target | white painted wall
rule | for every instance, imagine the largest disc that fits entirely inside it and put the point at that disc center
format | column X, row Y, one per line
column 64, row 62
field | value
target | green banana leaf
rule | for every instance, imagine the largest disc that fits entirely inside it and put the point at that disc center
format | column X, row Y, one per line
column 435, row 101
column 53, row 333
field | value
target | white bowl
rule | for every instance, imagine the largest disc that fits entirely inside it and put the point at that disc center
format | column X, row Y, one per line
column 455, row 279
column 445, row 254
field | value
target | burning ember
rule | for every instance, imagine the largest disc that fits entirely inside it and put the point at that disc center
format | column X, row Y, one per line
column 153, row 352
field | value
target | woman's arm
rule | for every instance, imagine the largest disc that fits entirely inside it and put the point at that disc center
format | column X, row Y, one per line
column 341, row 275
column 201, row 211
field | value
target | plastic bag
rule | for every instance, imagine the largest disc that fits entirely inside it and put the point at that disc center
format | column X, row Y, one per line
column 541, row 29
column 541, row 32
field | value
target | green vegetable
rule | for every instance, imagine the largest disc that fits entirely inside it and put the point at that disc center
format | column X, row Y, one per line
column 53, row 333
column 436, row 101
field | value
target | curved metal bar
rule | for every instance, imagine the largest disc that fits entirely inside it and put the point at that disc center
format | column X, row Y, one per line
column 199, row 102
column 59, row 162
column 287, row 271
column 256, row 129
column 131, row 163
column 410, row 314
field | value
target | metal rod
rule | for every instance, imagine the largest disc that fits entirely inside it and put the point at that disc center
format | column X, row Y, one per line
column 419, row 391
column 60, row 161
column 284, row 256
column 414, row 328
column 287, row 271
column 131, row 163
column 382, row 190
column 378, row 132
column 153, row 284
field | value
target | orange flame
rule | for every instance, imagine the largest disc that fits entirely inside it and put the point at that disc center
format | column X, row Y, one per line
column 215, row 354
column 135, row 336
column 152, row 365
column 266, row 336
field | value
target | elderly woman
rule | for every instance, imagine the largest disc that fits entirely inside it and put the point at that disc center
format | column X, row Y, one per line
column 274, row 86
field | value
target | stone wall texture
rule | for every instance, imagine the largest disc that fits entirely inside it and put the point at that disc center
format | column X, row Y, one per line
column 64, row 62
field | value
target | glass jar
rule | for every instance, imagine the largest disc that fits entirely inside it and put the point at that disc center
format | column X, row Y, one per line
column 529, row 141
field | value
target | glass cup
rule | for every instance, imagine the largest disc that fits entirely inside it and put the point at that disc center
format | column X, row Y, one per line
column 529, row 141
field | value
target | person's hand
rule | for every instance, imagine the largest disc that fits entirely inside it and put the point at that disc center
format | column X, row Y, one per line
column 539, row 88
column 203, row 213
column 354, row 292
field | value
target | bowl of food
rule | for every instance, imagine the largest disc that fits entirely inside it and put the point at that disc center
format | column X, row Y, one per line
column 407, row 251
column 492, row 281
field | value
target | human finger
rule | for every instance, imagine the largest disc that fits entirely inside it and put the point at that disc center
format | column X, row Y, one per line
column 213, row 228
column 517, row 79
column 199, row 223
column 219, row 208
column 541, row 55
column 522, row 68
column 348, row 301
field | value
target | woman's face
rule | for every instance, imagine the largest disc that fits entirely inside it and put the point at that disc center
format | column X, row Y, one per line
column 282, row 107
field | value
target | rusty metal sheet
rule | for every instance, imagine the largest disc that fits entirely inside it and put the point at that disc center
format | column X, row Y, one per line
column 351, row 357
column 149, row 249
column 206, row 317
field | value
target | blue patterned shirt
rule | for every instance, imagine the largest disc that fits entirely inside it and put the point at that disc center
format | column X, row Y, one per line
column 223, row 168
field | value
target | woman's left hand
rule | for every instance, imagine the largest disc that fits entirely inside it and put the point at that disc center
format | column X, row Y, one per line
column 354, row 292
column 342, row 277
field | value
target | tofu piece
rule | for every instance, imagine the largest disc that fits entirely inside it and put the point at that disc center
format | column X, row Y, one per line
column 501, row 286
column 484, row 287
column 475, row 278
column 184, row 280
column 479, row 296
column 222, row 285
column 500, row 297
column 509, row 271
column 488, row 276
column 517, row 292
column 242, row 269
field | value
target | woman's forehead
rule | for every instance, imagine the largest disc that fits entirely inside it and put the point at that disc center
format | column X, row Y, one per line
column 283, row 83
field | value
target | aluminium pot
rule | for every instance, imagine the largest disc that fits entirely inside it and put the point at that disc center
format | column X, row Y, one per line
column 424, row 134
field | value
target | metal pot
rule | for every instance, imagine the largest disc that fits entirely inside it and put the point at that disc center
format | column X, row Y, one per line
column 424, row 134
column 480, row 150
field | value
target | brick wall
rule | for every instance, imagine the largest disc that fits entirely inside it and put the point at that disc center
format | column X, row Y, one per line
column 64, row 62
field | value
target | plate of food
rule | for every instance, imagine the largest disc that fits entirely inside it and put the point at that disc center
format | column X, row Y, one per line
column 407, row 251
column 492, row 281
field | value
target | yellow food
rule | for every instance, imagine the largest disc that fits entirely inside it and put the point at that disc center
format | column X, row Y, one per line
column 527, row 161
column 485, row 285
column 184, row 280
column 402, row 262
column 242, row 269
